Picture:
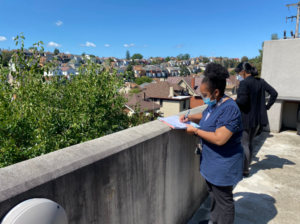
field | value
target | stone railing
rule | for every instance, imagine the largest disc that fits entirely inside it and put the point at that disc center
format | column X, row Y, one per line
column 146, row 174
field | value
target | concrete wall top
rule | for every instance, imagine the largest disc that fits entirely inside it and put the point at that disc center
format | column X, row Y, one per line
column 90, row 169
column 281, row 66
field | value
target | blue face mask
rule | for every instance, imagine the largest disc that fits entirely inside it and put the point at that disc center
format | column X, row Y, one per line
column 240, row 78
column 208, row 102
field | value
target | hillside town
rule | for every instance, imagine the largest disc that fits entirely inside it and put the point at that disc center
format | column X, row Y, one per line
column 159, row 87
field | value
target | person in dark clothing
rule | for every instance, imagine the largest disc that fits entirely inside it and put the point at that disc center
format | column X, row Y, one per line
column 251, row 100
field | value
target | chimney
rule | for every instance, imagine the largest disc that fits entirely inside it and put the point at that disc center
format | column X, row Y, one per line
column 193, row 82
column 143, row 95
column 171, row 92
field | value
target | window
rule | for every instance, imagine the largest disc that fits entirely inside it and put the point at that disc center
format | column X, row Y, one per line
column 184, row 104
column 161, row 102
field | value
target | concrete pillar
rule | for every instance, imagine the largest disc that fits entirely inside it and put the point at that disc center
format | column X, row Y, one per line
column 275, row 116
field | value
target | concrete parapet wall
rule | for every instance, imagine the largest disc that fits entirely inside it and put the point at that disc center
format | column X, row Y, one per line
column 146, row 174
column 281, row 67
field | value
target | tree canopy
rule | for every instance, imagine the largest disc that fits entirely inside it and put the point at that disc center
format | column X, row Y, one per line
column 183, row 57
column 184, row 71
column 50, row 113
column 144, row 79
column 6, row 56
column 56, row 51
column 137, row 56
column 274, row 36
column 134, row 91
column 167, row 59
column 127, row 55
column 245, row 59
column 205, row 60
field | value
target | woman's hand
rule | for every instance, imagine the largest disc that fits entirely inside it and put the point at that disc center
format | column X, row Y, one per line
column 190, row 129
column 182, row 119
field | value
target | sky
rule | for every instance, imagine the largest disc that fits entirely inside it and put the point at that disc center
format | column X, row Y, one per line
column 231, row 28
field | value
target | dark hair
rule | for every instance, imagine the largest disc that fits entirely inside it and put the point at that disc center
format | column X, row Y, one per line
column 245, row 66
column 215, row 76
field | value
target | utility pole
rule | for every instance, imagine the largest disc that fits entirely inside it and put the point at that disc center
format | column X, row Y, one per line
column 296, row 5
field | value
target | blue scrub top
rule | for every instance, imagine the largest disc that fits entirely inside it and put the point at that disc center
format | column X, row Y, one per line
column 223, row 165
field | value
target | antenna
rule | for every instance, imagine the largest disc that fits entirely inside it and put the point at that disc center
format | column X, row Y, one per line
column 296, row 5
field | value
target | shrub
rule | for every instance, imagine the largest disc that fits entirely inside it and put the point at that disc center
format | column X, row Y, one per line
column 134, row 91
column 50, row 113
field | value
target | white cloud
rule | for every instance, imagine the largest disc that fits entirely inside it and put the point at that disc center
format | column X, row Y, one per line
column 59, row 23
column 2, row 38
column 129, row 45
column 106, row 45
column 52, row 44
column 67, row 52
column 13, row 38
column 180, row 46
column 88, row 44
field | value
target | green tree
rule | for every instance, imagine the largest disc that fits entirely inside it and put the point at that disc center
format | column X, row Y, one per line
column 186, row 57
column 137, row 56
column 232, row 72
column 167, row 59
column 6, row 56
column 184, row 71
column 83, row 54
column 274, row 36
column 49, row 115
column 56, row 51
column 134, row 91
column 109, row 60
column 245, row 59
column 179, row 57
column 144, row 79
column 205, row 60
column 127, row 55
column 129, row 68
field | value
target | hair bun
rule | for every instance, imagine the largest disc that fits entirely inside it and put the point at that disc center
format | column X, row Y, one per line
column 254, row 71
column 216, row 71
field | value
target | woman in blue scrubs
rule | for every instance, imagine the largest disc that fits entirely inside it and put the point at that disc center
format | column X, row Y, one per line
column 221, row 161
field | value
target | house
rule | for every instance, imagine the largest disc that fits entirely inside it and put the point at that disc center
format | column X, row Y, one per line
column 173, row 71
column 67, row 71
column 139, row 71
column 118, row 62
column 193, row 61
column 192, row 87
column 144, row 85
column 173, row 63
column 184, row 62
column 45, row 59
column 79, row 58
column 129, row 86
column 139, row 103
column 126, row 62
column 121, row 70
column 171, row 97
column 53, row 72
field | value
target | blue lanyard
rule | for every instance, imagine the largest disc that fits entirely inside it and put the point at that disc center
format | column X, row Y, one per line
column 218, row 104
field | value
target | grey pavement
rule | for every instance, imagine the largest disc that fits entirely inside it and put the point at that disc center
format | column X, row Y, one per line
column 272, row 192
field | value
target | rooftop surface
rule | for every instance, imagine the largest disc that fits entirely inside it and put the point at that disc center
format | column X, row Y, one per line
column 271, row 194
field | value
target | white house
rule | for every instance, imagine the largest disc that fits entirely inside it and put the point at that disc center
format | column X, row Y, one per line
column 53, row 72
column 66, row 71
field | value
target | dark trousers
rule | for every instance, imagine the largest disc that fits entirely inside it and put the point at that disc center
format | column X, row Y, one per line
column 222, row 204
column 248, row 145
